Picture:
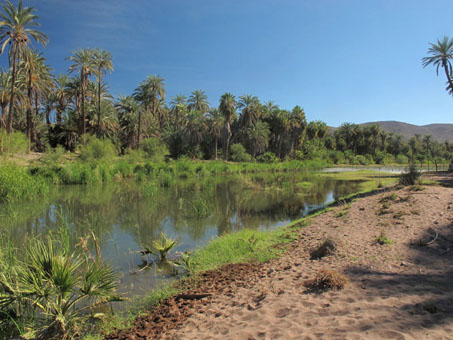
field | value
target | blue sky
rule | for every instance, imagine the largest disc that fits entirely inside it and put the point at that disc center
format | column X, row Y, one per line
column 341, row 60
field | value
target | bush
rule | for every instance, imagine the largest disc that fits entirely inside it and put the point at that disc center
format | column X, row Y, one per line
column 154, row 149
column 93, row 148
column 410, row 176
column 16, row 144
column 17, row 184
column 55, row 155
column 327, row 279
column 238, row 154
column 402, row 159
column 267, row 157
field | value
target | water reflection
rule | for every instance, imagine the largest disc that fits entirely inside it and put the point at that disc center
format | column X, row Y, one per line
column 125, row 216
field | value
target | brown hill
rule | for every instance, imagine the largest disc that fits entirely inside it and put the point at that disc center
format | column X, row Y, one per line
column 439, row 132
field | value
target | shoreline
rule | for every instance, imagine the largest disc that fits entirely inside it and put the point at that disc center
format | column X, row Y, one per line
column 185, row 313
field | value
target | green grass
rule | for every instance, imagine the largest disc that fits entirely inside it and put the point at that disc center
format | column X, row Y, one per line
column 369, row 179
column 382, row 239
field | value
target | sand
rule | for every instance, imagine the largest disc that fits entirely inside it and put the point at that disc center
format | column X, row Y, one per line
column 398, row 291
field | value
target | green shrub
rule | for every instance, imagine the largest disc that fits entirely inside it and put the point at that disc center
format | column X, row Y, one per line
column 154, row 149
column 268, row 157
column 17, row 184
column 410, row 176
column 402, row 159
column 16, row 144
column 93, row 148
column 53, row 288
column 55, row 155
column 238, row 154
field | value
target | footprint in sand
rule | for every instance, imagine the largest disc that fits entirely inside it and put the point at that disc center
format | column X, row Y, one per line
column 393, row 335
column 281, row 313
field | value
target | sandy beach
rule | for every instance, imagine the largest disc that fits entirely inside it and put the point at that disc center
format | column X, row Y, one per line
column 402, row 290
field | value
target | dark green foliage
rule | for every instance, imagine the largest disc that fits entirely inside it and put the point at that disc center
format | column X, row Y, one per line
column 411, row 175
column 238, row 154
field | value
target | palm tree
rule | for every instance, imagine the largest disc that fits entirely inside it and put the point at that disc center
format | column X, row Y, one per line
column 250, row 106
column 39, row 80
column 194, row 129
column 83, row 62
column 61, row 94
column 129, row 111
column 440, row 56
column 258, row 137
column 17, row 27
column 216, row 121
column 102, row 64
column 198, row 101
column 227, row 108
column 150, row 93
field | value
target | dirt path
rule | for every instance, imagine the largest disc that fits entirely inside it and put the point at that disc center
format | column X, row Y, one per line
column 398, row 291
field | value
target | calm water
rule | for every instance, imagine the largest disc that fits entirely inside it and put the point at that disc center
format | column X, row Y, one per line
column 125, row 216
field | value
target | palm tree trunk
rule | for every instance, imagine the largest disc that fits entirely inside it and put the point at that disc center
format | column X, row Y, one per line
column 2, row 118
column 99, row 105
column 29, row 111
column 215, row 148
column 139, row 128
column 11, row 103
column 82, row 78
column 450, row 82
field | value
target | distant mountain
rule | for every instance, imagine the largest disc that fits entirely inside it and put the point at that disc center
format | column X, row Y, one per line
column 439, row 132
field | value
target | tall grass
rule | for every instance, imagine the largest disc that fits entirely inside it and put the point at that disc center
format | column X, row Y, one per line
column 18, row 184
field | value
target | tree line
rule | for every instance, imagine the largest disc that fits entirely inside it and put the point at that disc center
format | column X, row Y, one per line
column 58, row 110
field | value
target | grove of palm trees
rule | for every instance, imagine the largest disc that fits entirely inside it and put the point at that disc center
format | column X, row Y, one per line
column 57, row 110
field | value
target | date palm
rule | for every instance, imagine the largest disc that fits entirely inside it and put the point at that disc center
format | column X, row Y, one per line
column 128, row 113
column 151, row 94
column 227, row 108
column 250, row 106
column 441, row 55
column 61, row 95
column 216, row 121
column 102, row 64
column 39, row 80
column 83, row 62
column 17, row 28
column 198, row 101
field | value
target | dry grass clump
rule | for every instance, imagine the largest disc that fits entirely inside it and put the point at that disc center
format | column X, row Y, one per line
column 328, row 247
column 327, row 279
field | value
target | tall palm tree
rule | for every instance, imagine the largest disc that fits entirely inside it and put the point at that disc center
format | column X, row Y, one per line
column 250, row 106
column 129, row 111
column 258, row 137
column 194, row 130
column 83, row 62
column 441, row 55
column 216, row 121
column 39, row 80
column 198, row 101
column 17, row 27
column 102, row 63
column 227, row 108
column 61, row 95
column 151, row 93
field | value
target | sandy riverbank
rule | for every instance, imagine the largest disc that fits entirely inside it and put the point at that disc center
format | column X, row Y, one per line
column 399, row 291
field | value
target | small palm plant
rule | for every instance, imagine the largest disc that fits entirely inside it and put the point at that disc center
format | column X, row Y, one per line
column 56, row 288
column 161, row 246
